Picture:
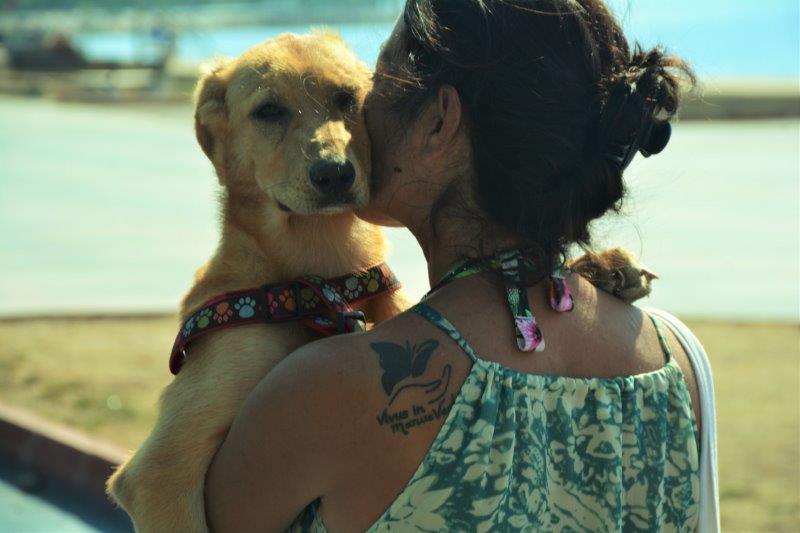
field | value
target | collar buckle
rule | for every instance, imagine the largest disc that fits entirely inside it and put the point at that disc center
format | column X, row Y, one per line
column 347, row 322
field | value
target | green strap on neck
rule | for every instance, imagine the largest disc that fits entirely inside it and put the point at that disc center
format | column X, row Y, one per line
column 515, row 266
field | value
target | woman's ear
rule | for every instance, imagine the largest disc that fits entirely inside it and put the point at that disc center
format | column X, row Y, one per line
column 211, row 112
column 443, row 119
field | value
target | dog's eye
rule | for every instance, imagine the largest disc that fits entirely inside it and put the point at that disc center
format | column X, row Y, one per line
column 268, row 111
column 344, row 101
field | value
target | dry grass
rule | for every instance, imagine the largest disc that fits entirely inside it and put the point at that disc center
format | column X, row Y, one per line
column 104, row 376
column 757, row 380
column 100, row 375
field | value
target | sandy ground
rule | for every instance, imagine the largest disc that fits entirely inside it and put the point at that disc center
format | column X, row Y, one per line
column 103, row 376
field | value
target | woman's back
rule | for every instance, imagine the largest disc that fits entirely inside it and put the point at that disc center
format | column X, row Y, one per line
column 485, row 437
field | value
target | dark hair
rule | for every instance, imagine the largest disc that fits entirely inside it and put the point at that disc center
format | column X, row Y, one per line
column 543, row 83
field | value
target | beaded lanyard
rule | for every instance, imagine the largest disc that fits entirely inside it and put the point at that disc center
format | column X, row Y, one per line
column 513, row 265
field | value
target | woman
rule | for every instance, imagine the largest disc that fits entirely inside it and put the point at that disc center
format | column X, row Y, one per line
column 501, row 128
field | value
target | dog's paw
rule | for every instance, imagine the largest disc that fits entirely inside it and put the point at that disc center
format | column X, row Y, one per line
column 615, row 271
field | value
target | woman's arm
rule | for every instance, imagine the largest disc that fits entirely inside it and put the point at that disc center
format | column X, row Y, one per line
column 275, row 459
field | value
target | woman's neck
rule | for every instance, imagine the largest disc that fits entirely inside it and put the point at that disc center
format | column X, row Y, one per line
column 438, row 205
column 446, row 239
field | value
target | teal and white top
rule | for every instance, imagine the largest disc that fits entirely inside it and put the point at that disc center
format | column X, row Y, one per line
column 524, row 452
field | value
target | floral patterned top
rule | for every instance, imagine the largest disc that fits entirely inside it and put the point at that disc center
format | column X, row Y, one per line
column 525, row 452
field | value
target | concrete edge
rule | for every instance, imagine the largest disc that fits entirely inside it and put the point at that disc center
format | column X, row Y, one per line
column 80, row 316
column 51, row 450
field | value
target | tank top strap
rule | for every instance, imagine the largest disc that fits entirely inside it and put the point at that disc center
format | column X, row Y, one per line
column 432, row 315
column 661, row 338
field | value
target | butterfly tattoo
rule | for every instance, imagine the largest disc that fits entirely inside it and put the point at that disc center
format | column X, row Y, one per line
column 400, row 361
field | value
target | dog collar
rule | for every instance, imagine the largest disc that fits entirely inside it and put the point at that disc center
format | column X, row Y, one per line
column 323, row 305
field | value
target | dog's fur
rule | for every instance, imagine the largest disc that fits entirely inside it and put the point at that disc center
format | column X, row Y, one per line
column 615, row 271
column 263, row 160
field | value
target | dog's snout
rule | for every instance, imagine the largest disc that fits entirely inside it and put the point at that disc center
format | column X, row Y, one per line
column 330, row 177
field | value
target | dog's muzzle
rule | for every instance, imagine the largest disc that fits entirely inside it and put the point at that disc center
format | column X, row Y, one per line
column 332, row 178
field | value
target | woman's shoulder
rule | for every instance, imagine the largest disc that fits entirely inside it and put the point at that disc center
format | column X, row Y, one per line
column 310, row 429
column 654, row 334
column 687, row 351
column 376, row 385
column 359, row 367
column 353, row 354
column 686, row 339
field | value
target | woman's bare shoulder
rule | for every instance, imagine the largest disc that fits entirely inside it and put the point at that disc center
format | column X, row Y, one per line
column 682, row 358
column 626, row 321
column 300, row 435
column 385, row 393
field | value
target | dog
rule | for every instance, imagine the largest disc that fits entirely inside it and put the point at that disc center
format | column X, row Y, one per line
column 284, row 128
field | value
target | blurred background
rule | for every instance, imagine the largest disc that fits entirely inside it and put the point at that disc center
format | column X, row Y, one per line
column 107, row 207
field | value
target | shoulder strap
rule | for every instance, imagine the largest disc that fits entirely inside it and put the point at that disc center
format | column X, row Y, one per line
column 432, row 315
column 709, row 482
column 661, row 338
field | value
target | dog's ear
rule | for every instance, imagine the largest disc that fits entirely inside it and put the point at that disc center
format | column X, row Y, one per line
column 211, row 112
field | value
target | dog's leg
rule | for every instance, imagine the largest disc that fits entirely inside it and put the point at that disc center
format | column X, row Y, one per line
column 161, row 486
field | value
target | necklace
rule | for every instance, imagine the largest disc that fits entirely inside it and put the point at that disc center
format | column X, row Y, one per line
column 513, row 266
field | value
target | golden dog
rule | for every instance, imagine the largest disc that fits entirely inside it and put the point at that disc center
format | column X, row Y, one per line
column 284, row 128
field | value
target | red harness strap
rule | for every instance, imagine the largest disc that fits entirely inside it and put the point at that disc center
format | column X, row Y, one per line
column 322, row 305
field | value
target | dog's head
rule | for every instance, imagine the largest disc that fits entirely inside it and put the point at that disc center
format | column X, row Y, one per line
column 286, row 119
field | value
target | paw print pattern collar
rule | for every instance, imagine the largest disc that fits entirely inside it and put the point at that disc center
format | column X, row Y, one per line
column 513, row 266
column 322, row 305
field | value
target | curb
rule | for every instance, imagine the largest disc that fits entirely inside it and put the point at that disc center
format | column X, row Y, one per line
column 66, row 456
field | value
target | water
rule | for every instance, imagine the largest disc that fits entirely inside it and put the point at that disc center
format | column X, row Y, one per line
column 719, row 38
column 22, row 512
column 113, row 208
column 52, row 508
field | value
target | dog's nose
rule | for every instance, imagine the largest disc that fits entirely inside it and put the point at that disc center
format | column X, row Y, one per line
column 329, row 177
